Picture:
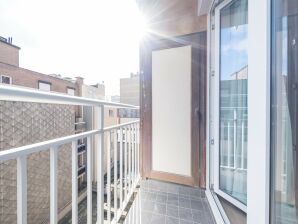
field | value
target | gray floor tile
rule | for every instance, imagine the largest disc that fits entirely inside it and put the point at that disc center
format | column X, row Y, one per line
column 186, row 222
column 172, row 199
column 148, row 205
column 171, row 220
column 197, row 205
column 185, row 214
column 168, row 203
column 198, row 216
column 146, row 217
column 184, row 202
column 158, row 219
column 159, row 208
column 161, row 198
column 172, row 211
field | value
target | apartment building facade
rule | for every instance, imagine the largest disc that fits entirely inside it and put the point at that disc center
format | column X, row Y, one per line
column 52, row 121
column 130, row 89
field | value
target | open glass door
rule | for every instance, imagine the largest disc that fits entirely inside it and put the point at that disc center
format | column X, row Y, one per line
column 284, row 106
column 231, row 69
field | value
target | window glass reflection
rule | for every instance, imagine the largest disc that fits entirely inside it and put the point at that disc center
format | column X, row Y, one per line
column 233, row 99
column 284, row 179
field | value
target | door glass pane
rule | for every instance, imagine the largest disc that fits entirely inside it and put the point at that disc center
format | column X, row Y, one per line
column 233, row 99
column 284, row 117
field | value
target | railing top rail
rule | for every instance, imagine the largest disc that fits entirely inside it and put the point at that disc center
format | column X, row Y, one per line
column 12, row 93
column 120, row 125
column 45, row 145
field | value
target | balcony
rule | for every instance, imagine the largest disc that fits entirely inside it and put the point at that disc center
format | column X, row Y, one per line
column 115, row 191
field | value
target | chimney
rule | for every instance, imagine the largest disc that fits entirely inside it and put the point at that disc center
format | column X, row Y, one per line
column 79, row 80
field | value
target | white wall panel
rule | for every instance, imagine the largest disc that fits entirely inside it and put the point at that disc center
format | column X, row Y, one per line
column 171, row 110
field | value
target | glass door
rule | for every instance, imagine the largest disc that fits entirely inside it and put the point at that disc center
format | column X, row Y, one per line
column 284, row 117
column 231, row 101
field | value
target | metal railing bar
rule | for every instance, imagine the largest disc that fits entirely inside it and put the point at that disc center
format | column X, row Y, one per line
column 74, row 198
column 53, row 185
column 89, row 181
column 42, row 146
column 108, row 186
column 125, row 164
column 120, row 125
column 22, row 190
column 115, row 173
column 121, row 167
column 12, row 93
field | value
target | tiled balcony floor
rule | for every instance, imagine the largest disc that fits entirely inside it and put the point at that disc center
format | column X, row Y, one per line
column 166, row 203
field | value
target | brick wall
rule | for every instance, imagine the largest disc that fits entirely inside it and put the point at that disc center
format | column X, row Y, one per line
column 9, row 54
column 28, row 78
column 26, row 123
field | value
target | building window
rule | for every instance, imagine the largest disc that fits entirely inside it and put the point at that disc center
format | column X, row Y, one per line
column 44, row 86
column 111, row 113
column 231, row 101
column 70, row 91
column 5, row 79
column 284, row 112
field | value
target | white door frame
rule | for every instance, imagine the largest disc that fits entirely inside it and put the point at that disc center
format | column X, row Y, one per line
column 216, row 111
column 258, row 153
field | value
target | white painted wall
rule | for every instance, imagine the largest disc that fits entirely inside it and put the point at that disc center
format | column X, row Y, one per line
column 171, row 110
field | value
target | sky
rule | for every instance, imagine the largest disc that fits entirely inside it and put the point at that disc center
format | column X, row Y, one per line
column 233, row 50
column 94, row 39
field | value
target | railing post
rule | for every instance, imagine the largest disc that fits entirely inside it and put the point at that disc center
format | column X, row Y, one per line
column 138, row 149
column 108, row 187
column 132, row 155
column 121, row 167
column 235, row 139
column 129, row 158
column 74, row 200
column 53, row 185
column 89, row 181
column 136, row 154
column 228, row 148
column 22, row 190
column 115, row 174
column 99, row 162
column 125, row 163
column 242, row 145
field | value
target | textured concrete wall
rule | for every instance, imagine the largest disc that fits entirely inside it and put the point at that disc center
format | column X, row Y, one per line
column 27, row 123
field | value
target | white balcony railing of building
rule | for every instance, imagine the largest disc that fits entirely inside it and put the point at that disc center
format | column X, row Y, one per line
column 125, row 144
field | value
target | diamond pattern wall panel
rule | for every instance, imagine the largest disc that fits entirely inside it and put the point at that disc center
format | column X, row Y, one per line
column 24, row 123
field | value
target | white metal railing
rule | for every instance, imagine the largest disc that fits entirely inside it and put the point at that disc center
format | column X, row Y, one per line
column 233, row 144
column 121, row 189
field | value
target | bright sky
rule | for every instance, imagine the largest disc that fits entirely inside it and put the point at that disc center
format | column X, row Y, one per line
column 95, row 39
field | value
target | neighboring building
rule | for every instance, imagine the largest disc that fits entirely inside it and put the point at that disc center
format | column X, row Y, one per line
column 94, row 91
column 115, row 99
column 110, row 115
column 53, row 121
column 130, row 90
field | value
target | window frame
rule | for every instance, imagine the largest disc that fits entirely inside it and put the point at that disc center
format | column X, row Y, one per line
column 71, row 88
column 44, row 82
column 216, row 112
column 10, row 79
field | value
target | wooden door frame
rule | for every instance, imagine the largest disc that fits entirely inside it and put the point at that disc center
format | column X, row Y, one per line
column 198, row 43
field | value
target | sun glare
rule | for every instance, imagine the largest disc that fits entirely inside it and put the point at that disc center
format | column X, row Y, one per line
column 141, row 26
